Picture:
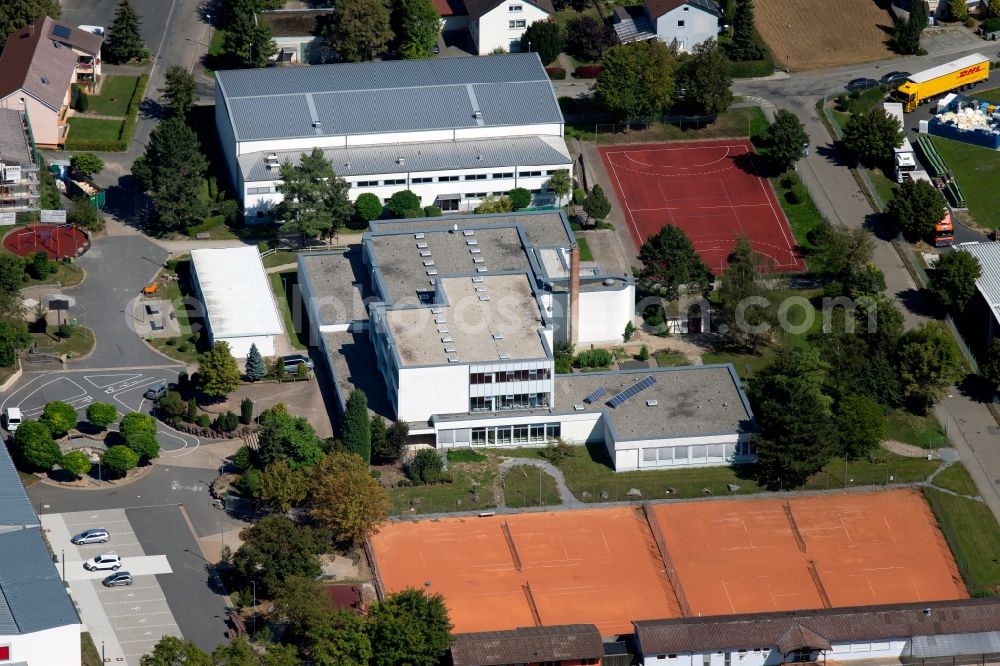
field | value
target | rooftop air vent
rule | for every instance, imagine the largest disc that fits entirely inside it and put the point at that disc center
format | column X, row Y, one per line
column 447, row 338
column 453, row 359
column 418, row 236
column 437, row 310
column 477, row 114
column 472, row 241
column 425, row 253
column 477, row 280
column 498, row 336
column 478, row 260
column 469, row 232
column 428, row 262
column 421, row 246
column 475, row 250
column 609, row 282
column 578, row 408
column 484, row 297
column 651, row 403
column 454, row 228
column 504, row 356
column 400, row 160
column 440, row 320
column 449, row 350
column 432, row 272
column 481, row 289
column 480, row 269
column 443, row 329
column 317, row 123
column 45, row 80
column 347, row 165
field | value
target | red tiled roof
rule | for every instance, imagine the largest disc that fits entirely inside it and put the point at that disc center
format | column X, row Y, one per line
column 450, row 7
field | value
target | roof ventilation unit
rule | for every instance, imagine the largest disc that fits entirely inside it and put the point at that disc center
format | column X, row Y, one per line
column 498, row 336
column 45, row 80
column 425, row 253
column 432, row 272
column 454, row 228
column 421, row 246
column 447, row 338
column 437, row 310
column 443, row 329
column 480, row 269
column 504, row 356
column 477, row 280
column 317, row 123
column 449, row 350
column 484, row 297
column 469, row 232
column 418, row 236
column 440, row 320
column 578, row 408
column 477, row 114
column 651, row 403
column 453, row 359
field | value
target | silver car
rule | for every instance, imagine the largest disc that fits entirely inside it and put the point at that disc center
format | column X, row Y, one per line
column 155, row 392
column 118, row 578
column 96, row 535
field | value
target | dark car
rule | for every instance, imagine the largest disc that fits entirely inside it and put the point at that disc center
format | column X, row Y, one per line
column 894, row 78
column 861, row 84
column 118, row 578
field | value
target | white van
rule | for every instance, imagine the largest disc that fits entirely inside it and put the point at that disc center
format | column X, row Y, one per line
column 12, row 419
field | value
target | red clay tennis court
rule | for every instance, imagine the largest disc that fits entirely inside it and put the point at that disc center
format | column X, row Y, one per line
column 854, row 549
column 710, row 189
column 597, row 566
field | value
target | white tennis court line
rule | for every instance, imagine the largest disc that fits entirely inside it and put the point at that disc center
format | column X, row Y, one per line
column 657, row 166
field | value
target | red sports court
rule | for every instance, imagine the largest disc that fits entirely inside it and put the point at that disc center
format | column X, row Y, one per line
column 710, row 189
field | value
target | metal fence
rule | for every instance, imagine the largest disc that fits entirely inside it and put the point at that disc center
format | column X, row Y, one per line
column 644, row 130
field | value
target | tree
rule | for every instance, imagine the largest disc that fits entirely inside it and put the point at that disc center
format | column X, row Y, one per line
column 356, row 426
column 906, row 34
column 11, row 280
column 256, row 369
column 345, row 499
column 178, row 93
column 275, row 548
column 102, row 414
column 123, row 42
column 358, row 30
column 389, row 449
column 492, row 203
column 861, row 424
column 82, row 214
column 871, row 136
column 915, row 207
column 992, row 9
column 953, row 280
column 34, row 447
column 867, row 280
column 171, row 171
column 416, row 24
column 76, row 463
column 173, row 651
column 135, row 424
column 218, row 374
column 746, row 302
column 302, row 604
column 282, row 487
column 587, row 38
column 989, row 368
column 425, row 467
column 16, row 14
column 958, row 9
column 12, row 338
column 368, row 207
column 841, row 250
column 544, row 38
column 928, row 363
column 404, row 204
column 745, row 46
column 409, row 627
column 59, row 417
column 379, row 433
column 596, row 205
column 86, row 164
column 785, row 138
column 670, row 263
column 288, row 438
column 315, row 202
column 519, row 198
column 706, row 79
column 119, row 459
column 637, row 79
column 248, row 42
column 560, row 184
column 340, row 640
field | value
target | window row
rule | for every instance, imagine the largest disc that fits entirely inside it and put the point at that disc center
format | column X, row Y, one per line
column 506, row 175
column 500, row 403
column 509, row 376
column 518, row 434
column 685, row 454
column 517, row 23
column 260, row 190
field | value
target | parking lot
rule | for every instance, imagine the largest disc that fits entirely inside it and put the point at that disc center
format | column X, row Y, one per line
column 127, row 621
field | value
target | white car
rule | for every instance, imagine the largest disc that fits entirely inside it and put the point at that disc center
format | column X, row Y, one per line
column 105, row 561
column 12, row 419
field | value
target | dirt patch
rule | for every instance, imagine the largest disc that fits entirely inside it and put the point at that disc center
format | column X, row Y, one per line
column 824, row 34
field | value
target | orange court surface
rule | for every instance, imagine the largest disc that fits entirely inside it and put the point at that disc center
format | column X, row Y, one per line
column 854, row 549
column 598, row 566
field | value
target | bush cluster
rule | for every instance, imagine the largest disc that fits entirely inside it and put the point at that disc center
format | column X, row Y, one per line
column 556, row 73
column 593, row 358
column 588, row 71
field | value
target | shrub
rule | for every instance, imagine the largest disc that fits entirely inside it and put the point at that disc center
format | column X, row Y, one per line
column 557, row 451
column 184, row 347
column 226, row 422
column 249, row 483
column 556, row 73
column 192, row 411
column 368, row 207
column 433, row 211
column 243, row 458
column 76, row 463
column 519, row 198
column 246, row 411
column 171, row 404
column 588, row 71
column 64, row 331
column 120, row 459
column 991, row 25
column 34, row 447
column 426, row 467
column 102, row 414
column 970, row 22
column 40, row 266
column 376, row 474
column 578, row 196
column 644, row 353
column 59, row 417
column 594, row 358
column 203, row 420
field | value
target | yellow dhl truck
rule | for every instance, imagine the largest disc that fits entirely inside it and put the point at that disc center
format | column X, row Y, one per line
column 935, row 81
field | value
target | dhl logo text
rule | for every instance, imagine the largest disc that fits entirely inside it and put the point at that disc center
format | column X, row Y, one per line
column 970, row 71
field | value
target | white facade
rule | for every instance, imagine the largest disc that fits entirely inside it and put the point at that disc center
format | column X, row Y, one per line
column 604, row 314
column 686, row 27
column 770, row 656
column 60, row 645
column 503, row 26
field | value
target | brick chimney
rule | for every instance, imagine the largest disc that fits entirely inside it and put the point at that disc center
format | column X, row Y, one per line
column 574, row 293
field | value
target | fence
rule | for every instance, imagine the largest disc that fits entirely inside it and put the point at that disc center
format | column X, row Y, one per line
column 668, row 562
column 373, row 567
column 644, row 130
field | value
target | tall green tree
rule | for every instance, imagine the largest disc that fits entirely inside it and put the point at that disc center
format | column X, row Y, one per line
column 785, row 138
column 404, row 204
column 120, row 459
column 747, row 300
column 842, row 251
column 409, row 627
column 745, row 45
column 544, row 38
column 290, row 439
column 356, row 426
column 261, row 653
column 929, row 363
column 34, row 449
column 274, row 549
column 906, row 36
column 248, row 42
column 76, row 463
column 59, row 417
column 587, row 38
column 704, row 76
column 173, row 651
column 953, row 280
column 282, row 487
column 301, row 604
column 670, row 263
column 86, row 164
column 255, row 366
column 218, row 375
column 596, row 204
column 560, row 184
column 359, row 30
column 637, row 79
column 83, row 215
column 16, row 14
column 871, row 136
column 178, row 93
column 340, row 640
column 916, row 206
column 11, row 303
column 860, row 422
column 315, row 202
column 989, row 366
column 368, row 207
column 416, row 24
column 124, row 42
column 101, row 414
column 171, row 172
column 345, row 499
column 139, row 431
column 390, row 448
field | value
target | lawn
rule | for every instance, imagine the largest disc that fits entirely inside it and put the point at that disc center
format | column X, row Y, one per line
column 178, row 347
column 214, row 226
column 27, row 479
column 93, row 129
column 216, row 56
column 280, row 258
column 988, row 95
column 527, row 485
column 81, row 342
column 885, row 187
column 922, row 431
column 67, row 275
column 116, row 92
column 974, row 537
column 91, row 657
column 469, row 478
column 585, row 253
column 667, row 359
column 803, row 217
column 956, row 478
column 284, row 287
column 862, row 104
column 977, row 171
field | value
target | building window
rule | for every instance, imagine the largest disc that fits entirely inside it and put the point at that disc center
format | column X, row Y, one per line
column 367, row 183
column 530, row 174
column 519, row 23
column 481, row 378
column 447, row 179
column 515, row 8
column 479, row 404
column 258, row 190
column 680, row 24
column 479, row 436
column 394, row 181
column 475, row 176
column 424, row 179
column 499, row 176
column 448, row 205
column 550, row 172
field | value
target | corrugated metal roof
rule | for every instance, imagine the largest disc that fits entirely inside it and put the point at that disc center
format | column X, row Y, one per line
column 421, row 157
column 988, row 283
column 15, row 507
column 948, row 67
column 238, row 299
column 391, row 96
column 30, row 584
column 950, row 645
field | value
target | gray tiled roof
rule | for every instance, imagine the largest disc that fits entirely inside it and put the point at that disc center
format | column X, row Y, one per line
column 421, row 157
column 34, row 596
column 390, row 96
column 572, row 642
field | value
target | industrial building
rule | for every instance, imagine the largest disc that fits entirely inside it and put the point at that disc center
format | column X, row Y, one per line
column 451, row 324
column 452, row 130
column 19, row 178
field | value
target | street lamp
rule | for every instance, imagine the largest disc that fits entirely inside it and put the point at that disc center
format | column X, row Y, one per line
column 103, row 658
column 64, row 564
column 254, row 620
column 788, row 49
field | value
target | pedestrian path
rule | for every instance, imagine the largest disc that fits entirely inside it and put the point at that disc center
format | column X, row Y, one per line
column 565, row 495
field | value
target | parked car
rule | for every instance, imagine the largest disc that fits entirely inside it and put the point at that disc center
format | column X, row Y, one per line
column 155, row 392
column 12, row 419
column 118, row 578
column 861, row 84
column 102, row 562
column 96, row 535
column 894, row 78
column 292, row 362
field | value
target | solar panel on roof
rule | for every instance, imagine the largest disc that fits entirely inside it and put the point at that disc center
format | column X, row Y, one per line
column 623, row 397
column 61, row 31
column 595, row 395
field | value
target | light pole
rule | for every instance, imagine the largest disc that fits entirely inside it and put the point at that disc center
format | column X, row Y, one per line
column 64, row 564
column 103, row 658
column 788, row 49
column 254, row 620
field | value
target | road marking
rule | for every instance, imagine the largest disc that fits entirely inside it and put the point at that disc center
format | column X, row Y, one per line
column 91, row 378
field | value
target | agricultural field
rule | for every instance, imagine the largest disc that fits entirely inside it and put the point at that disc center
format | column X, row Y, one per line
column 823, row 34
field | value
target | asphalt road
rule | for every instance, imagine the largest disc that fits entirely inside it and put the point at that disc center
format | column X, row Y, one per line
column 102, row 12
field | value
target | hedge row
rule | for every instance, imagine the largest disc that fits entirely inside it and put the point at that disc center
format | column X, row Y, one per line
column 588, row 71
column 556, row 73
column 120, row 144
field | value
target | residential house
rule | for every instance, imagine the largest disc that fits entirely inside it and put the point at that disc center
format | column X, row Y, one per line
column 19, row 184
column 454, row 16
column 681, row 24
column 500, row 24
column 38, row 67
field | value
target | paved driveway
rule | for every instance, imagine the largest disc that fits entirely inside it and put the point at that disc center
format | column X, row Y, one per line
column 153, row 14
